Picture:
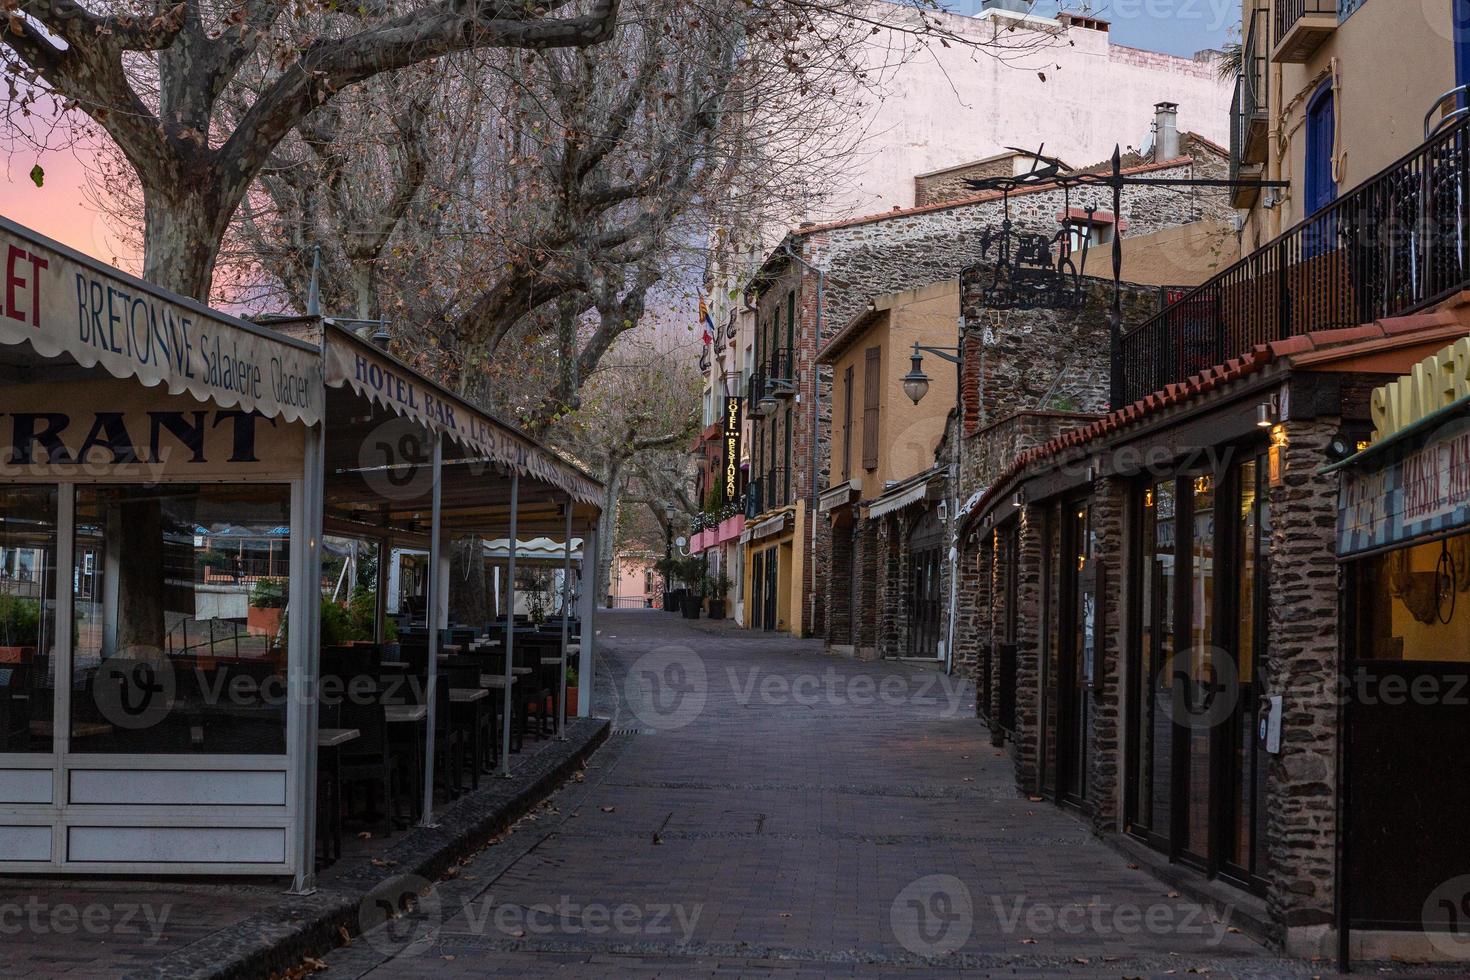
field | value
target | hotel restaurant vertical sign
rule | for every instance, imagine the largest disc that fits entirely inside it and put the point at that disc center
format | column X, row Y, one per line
column 730, row 461
column 63, row 303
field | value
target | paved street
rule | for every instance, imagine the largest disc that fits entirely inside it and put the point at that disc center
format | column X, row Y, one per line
column 767, row 810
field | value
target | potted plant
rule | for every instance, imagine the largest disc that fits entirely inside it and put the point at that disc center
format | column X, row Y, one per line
column 571, row 691
column 20, row 628
column 692, row 571
column 717, row 587
column 665, row 568
column 267, row 606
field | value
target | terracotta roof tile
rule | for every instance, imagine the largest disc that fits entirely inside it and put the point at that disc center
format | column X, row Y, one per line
column 1418, row 321
column 1347, row 335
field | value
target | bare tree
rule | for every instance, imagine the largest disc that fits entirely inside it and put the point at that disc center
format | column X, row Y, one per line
column 638, row 411
column 154, row 77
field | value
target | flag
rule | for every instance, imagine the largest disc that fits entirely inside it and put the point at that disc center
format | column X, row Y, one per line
column 706, row 321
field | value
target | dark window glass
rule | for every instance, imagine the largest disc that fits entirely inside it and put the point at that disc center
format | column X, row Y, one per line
column 181, row 618
column 27, row 617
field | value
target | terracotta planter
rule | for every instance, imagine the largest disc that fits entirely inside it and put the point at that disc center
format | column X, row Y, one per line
column 16, row 655
column 571, row 701
column 263, row 622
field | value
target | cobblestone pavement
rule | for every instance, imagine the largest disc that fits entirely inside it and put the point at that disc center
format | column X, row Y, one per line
column 765, row 810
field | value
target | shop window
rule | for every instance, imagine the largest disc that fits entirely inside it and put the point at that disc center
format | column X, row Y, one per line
column 1051, row 665
column 1154, row 707
column 27, row 617
column 180, row 642
column 1413, row 603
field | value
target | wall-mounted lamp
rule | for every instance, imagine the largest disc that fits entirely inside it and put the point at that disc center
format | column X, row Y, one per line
column 766, row 407
column 1019, row 500
column 916, row 382
column 1268, row 413
column 872, row 307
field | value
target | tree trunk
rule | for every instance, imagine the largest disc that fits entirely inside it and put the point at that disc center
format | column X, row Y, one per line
column 135, row 533
column 469, row 597
column 606, row 521
column 362, row 289
column 184, row 222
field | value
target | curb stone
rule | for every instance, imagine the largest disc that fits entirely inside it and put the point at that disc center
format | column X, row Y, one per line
column 282, row 936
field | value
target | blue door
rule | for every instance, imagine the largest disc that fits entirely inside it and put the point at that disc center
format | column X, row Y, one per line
column 1461, row 26
column 1321, row 133
column 1321, row 189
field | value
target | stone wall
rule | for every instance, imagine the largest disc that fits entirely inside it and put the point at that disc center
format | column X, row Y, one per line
column 950, row 185
column 1041, row 360
column 1302, row 667
column 1030, row 630
column 1105, row 746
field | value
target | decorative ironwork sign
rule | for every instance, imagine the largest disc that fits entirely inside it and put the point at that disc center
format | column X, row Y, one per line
column 1032, row 270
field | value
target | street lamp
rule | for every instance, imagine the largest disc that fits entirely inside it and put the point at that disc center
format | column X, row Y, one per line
column 916, row 382
column 767, row 406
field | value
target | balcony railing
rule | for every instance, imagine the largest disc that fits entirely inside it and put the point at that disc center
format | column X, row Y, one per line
column 1301, row 27
column 1248, row 121
column 781, row 369
column 1395, row 244
column 754, row 391
column 767, row 492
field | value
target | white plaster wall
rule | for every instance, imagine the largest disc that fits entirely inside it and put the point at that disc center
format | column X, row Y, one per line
column 945, row 106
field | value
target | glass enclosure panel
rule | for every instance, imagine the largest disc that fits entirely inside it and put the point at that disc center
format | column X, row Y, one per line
column 181, row 618
column 1413, row 604
column 1159, row 651
column 1051, row 666
column 1201, row 684
column 1084, row 630
column 350, row 586
column 1244, row 760
column 27, row 617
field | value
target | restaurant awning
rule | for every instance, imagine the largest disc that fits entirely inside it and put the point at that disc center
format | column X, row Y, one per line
column 912, row 491
column 65, row 304
column 534, row 550
column 350, row 361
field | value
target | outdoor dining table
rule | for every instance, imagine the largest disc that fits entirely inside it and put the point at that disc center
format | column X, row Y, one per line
column 329, row 742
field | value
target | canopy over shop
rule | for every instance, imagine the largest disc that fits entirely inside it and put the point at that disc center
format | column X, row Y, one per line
column 154, row 449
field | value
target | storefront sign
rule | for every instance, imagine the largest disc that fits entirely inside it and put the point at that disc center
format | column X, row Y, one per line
column 1425, row 492
column 1435, row 383
column 119, row 431
column 731, row 460
column 374, row 375
column 61, row 302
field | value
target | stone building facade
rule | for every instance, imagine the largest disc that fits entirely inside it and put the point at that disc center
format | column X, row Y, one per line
column 843, row 265
column 1155, row 576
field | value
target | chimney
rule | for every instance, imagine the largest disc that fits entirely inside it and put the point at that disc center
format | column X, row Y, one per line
column 1166, row 131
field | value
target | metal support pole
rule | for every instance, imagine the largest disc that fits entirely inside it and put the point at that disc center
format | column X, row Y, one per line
column 304, row 653
column 510, row 626
column 588, row 580
column 431, row 617
column 566, row 614
column 1115, row 316
column 380, row 614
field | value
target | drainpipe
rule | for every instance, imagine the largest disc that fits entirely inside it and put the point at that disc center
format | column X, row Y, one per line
column 954, row 494
column 816, row 402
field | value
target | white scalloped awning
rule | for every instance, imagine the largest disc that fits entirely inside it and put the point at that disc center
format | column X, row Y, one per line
column 61, row 302
column 887, row 505
column 376, row 375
